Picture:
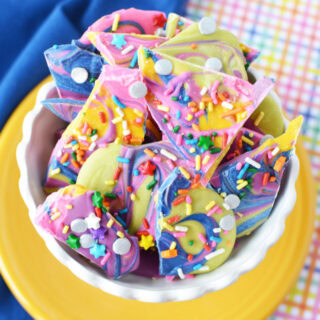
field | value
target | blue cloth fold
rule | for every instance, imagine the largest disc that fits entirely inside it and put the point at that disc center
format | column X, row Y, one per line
column 27, row 29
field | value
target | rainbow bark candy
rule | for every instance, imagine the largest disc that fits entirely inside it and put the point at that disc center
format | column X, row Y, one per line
column 121, row 49
column 69, row 216
column 194, row 233
column 104, row 118
column 200, row 111
column 131, row 176
column 257, row 181
column 188, row 43
column 177, row 24
column 127, row 21
column 193, row 46
column 62, row 60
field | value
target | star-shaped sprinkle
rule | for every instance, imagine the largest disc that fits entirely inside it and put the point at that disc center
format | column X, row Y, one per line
column 147, row 168
column 97, row 199
column 98, row 250
column 73, row 241
column 99, row 233
column 159, row 20
column 146, row 242
column 93, row 221
column 118, row 40
column 205, row 142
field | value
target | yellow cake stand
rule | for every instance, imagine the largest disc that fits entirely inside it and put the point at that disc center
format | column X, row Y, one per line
column 48, row 290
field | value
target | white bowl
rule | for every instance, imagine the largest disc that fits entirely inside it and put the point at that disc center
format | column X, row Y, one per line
column 33, row 153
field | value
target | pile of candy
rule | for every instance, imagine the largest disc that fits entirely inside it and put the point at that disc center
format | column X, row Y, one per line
column 170, row 153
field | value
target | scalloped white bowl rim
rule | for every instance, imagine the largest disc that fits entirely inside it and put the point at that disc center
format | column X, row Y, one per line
column 250, row 252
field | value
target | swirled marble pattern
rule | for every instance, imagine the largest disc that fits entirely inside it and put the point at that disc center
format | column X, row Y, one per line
column 261, row 181
column 122, row 54
column 194, row 240
column 78, row 218
column 103, row 119
column 62, row 59
column 130, row 21
column 192, row 46
column 66, row 109
column 199, row 125
column 131, row 176
column 177, row 24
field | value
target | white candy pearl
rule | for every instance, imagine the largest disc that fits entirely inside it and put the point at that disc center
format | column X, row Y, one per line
column 213, row 64
column 207, row 25
column 163, row 67
column 232, row 200
column 265, row 138
column 79, row 75
column 138, row 90
column 79, row 225
column 227, row 222
column 86, row 241
column 121, row 246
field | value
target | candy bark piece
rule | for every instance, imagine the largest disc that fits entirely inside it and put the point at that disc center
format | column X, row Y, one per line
column 192, row 46
column 110, row 113
column 74, row 70
column 77, row 217
column 196, row 124
column 195, row 233
column 176, row 24
column 129, row 21
column 132, row 176
column 122, row 52
column 257, row 181
column 66, row 109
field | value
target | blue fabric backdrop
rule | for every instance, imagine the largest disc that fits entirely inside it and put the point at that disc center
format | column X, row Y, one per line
column 27, row 29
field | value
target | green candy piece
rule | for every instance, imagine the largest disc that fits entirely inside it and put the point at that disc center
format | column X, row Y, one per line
column 205, row 142
column 151, row 184
column 97, row 199
column 73, row 241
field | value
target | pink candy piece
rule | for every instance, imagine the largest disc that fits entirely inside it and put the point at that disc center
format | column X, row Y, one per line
column 188, row 199
column 199, row 113
column 105, row 258
column 213, row 210
column 85, row 128
column 171, row 164
column 179, row 234
column 156, row 159
column 213, row 91
column 202, row 238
